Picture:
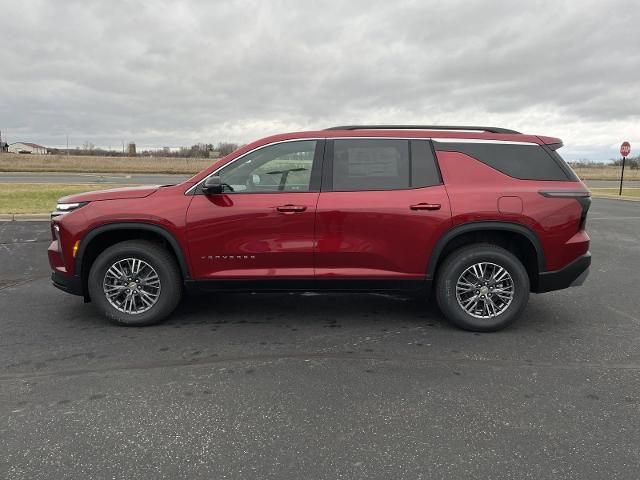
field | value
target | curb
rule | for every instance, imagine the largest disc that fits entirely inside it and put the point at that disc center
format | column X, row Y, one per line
column 616, row 197
column 25, row 217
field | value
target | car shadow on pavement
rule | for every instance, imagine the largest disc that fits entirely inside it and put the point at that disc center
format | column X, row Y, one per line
column 304, row 308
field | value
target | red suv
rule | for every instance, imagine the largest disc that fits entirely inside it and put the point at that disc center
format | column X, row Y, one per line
column 482, row 215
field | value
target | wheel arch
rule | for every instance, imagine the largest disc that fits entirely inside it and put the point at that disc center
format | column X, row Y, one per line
column 113, row 233
column 500, row 233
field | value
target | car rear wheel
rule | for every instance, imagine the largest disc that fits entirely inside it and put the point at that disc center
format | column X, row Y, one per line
column 135, row 283
column 482, row 288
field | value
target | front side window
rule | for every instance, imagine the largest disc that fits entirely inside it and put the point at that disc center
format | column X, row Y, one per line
column 370, row 164
column 282, row 167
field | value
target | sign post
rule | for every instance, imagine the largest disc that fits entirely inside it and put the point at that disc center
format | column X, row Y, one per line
column 625, row 150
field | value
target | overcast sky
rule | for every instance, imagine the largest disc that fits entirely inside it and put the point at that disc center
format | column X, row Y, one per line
column 177, row 73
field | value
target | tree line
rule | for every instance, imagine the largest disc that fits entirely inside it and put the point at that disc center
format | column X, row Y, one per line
column 199, row 150
column 631, row 162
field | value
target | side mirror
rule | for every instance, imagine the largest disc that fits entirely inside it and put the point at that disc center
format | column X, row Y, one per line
column 213, row 185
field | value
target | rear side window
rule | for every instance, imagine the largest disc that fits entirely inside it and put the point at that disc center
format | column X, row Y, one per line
column 383, row 164
column 370, row 165
column 553, row 151
column 525, row 162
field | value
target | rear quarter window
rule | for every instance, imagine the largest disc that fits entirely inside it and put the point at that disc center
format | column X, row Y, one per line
column 524, row 162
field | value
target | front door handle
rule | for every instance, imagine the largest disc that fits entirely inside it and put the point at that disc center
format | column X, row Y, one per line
column 291, row 208
column 425, row 206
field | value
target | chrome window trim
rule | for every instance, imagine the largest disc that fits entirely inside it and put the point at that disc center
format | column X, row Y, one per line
column 441, row 139
column 434, row 139
column 481, row 140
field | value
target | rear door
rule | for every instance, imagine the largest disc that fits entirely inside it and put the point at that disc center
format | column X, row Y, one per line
column 381, row 210
column 262, row 225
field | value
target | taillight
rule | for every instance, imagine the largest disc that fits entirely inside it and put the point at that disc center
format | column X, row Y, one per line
column 583, row 197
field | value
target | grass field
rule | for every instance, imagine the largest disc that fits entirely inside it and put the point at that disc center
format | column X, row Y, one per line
column 607, row 173
column 38, row 198
column 61, row 163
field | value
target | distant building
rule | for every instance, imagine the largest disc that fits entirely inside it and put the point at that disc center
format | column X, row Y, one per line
column 20, row 147
column 131, row 149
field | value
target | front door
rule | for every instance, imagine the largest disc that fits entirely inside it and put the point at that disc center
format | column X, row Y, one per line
column 381, row 210
column 262, row 225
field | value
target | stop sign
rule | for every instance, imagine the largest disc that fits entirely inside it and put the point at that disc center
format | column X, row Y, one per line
column 625, row 149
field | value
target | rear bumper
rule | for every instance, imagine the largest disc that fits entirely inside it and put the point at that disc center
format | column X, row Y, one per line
column 70, row 284
column 572, row 275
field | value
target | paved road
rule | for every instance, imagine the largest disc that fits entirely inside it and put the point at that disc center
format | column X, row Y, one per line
column 323, row 386
column 161, row 179
column 612, row 183
column 117, row 178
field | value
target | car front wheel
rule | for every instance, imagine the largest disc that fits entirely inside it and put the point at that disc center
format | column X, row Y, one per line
column 135, row 283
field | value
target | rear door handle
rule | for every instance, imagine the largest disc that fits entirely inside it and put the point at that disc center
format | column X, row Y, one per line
column 291, row 208
column 425, row 206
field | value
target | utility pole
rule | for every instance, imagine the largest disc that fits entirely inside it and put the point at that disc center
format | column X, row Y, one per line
column 67, row 146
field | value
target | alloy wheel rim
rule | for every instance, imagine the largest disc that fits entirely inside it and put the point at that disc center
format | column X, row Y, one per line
column 131, row 286
column 485, row 290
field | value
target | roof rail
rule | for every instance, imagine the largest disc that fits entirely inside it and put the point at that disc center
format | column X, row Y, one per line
column 424, row 127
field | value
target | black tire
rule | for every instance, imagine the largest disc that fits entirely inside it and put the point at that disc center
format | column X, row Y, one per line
column 160, row 260
column 455, row 265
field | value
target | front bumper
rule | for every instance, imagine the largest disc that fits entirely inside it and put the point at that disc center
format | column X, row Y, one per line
column 572, row 275
column 59, row 276
column 70, row 284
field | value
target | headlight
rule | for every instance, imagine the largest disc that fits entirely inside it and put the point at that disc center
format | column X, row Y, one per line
column 62, row 208
column 66, row 207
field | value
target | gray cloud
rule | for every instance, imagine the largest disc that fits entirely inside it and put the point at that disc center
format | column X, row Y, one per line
column 174, row 73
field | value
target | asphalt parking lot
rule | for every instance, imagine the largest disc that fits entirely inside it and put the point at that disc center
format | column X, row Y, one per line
column 323, row 386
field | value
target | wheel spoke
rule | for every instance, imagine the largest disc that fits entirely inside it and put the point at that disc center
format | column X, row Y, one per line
column 148, row 295
column 497, row 274
column 469, row 300
column 145, row 301
column 115, row 272
column 114, row 294
column 465, row 289
column 492, row 306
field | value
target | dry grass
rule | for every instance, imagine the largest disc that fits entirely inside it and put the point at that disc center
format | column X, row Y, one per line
column 607, row 173
column 39, row 198
column 61, row 163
